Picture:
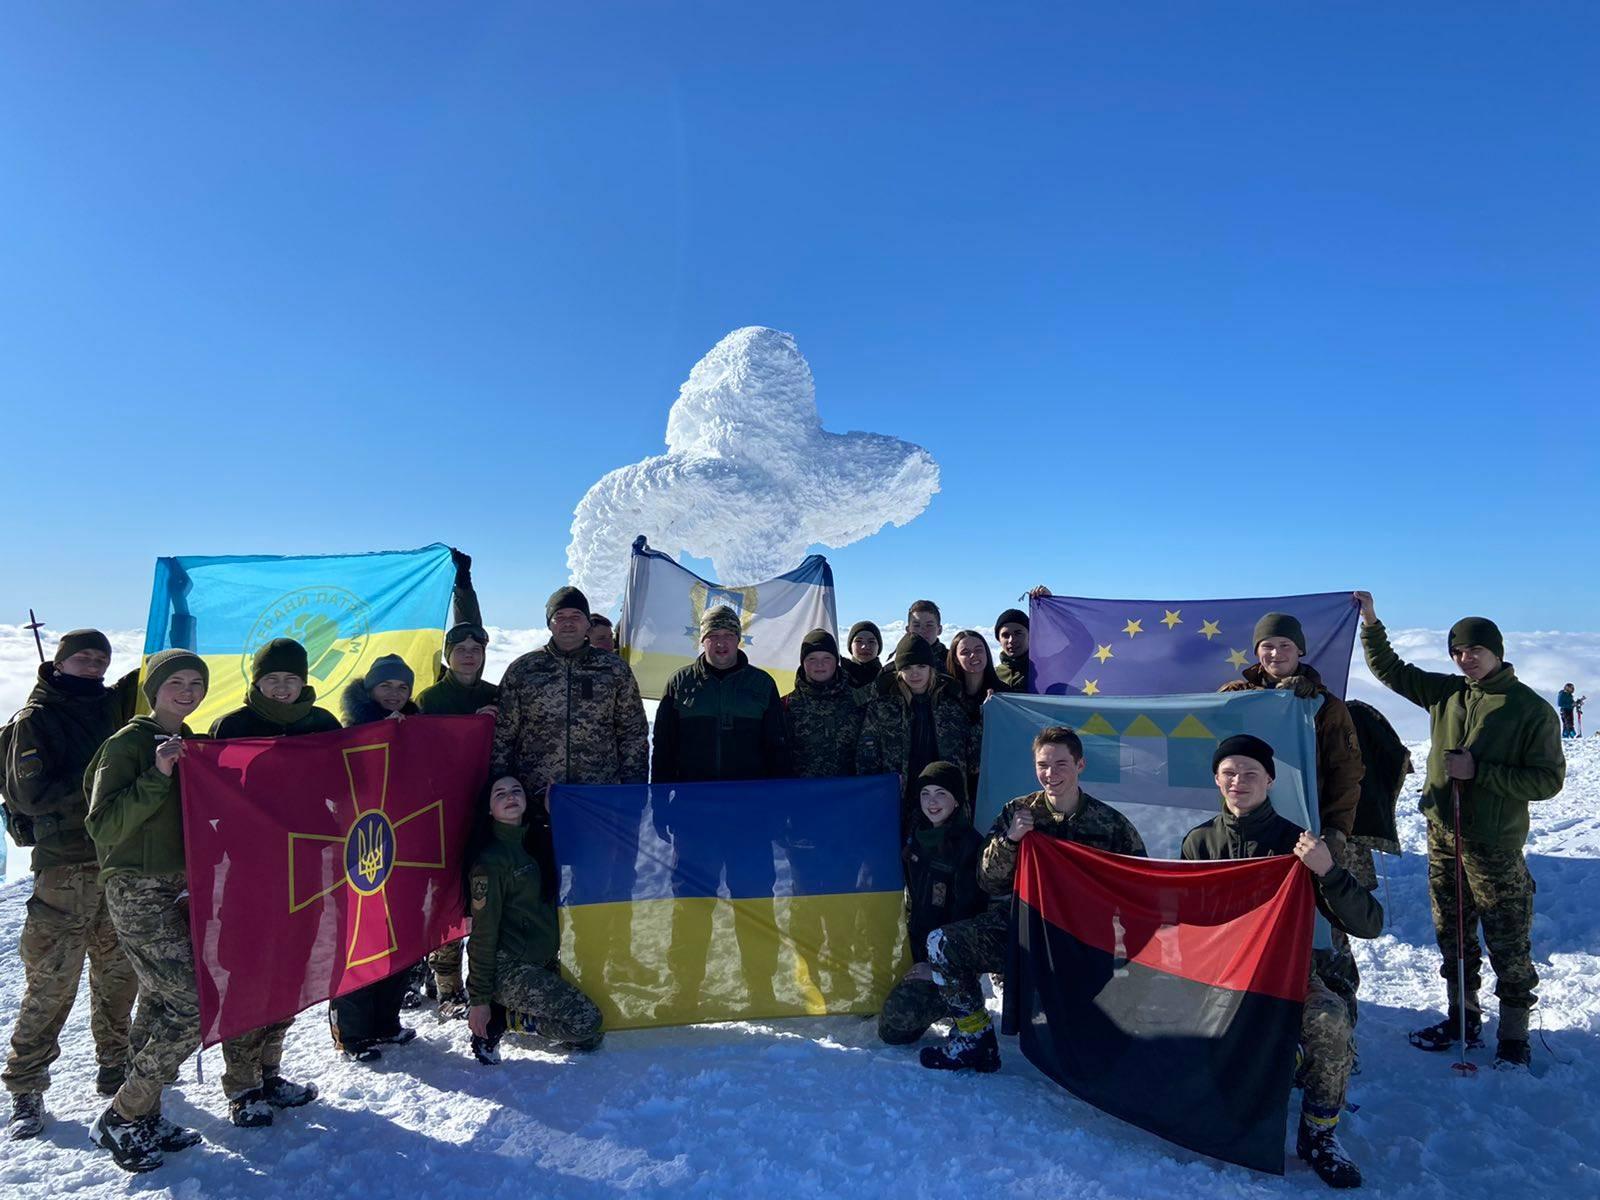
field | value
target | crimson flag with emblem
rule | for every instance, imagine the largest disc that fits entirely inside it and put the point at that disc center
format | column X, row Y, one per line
column 323, row 863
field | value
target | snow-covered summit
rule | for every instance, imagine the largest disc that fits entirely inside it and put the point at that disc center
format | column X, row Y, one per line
column 750, row 479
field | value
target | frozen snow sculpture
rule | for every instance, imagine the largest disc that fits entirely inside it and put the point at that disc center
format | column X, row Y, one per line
column 750, row 479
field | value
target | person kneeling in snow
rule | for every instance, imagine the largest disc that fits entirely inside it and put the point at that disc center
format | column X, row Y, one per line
column 1243, row 768
column 512, row 976
column 941, row 864
column 962, row 950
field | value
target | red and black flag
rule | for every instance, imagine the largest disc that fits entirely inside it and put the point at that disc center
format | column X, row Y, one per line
column 1168, row 994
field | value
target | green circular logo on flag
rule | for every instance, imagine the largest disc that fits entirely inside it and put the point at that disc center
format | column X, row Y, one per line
column 330, row 622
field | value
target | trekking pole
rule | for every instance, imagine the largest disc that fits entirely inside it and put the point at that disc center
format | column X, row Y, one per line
column 35, row 624
column 1461, row 1066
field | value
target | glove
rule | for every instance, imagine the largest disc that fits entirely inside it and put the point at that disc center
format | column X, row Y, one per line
column 462, row 561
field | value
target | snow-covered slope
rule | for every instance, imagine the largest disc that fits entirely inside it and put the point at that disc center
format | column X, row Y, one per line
column 817, row 1108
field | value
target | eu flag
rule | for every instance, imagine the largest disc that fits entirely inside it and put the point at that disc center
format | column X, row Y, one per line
column 1082, row 647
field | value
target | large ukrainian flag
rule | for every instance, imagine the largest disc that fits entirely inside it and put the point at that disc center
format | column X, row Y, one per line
column 659, row 632
column 346, row 609
column 683, row 903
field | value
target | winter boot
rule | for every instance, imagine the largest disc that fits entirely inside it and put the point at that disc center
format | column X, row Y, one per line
column 285, row 1093
column 250, row 1110
column 360, row 1051
column 1319, row 1146
column 132, row 1143
column 108, row 1080
column 452, row 1004
column 485, row 1051
column 1447, row 1033
column 1513, row 1053
column 399, row 1037
column 171, row 1137
column 971, row 1048
column 417, row 981
column 27, row 1116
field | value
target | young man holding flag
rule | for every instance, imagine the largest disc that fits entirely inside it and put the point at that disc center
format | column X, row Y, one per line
column 1243, row 768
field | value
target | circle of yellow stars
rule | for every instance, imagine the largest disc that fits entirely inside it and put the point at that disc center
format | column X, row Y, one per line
column 1172, row 618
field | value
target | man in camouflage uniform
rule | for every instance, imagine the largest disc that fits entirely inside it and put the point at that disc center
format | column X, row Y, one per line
column 961, row 951
column 570, row 713
column 1497, row 744
column 824, row 712
column 69, row 713
column 1248, row 827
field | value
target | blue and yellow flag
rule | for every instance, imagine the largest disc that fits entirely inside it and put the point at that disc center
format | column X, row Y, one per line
column 696, row 902
column 346, row 609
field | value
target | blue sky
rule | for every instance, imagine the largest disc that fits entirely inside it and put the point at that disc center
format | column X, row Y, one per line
column 1187, row 300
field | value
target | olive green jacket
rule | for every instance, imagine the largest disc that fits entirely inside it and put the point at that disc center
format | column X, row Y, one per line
column 135, row 815
column 1512, row 733
column 510, row 916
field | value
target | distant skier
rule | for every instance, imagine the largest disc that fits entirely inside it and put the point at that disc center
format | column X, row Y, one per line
column 1498, row 744
column 1569, row 706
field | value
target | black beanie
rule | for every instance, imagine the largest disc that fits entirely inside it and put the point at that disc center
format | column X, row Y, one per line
column 912, row 651
column 866, row 627
column 168, row 662
column 565, row 597
column 1246, row 746
column 76, row 640
column 280, row 654
column 818, row 641
column 1011, row 616
column 946, row 775
column 1477, row 631
column 1279, row 625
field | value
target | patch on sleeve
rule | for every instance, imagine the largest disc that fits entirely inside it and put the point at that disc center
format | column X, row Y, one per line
column 29, row 764
column 480, row 891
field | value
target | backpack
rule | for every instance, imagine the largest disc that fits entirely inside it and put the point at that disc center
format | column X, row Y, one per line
column 1388, row 762
column 20, row 827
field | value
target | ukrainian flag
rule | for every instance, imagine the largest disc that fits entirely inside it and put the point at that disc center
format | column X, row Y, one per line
column 347, row 610
column 695, row 902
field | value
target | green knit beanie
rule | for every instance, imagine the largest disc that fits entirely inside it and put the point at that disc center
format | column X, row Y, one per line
column 1280, row 625
column 280, row 654
column 565, row 597
column 160, row 667
column 818, row 641
column 75, row 641
column 912, row 651
column 1477, row 631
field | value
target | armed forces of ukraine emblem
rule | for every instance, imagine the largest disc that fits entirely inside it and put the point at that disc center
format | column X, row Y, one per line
column 330, row 622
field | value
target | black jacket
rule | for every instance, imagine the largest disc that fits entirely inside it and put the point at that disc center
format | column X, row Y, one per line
column 719, row 725
column 1262, row 834
column 941, row 879
column 260, row 717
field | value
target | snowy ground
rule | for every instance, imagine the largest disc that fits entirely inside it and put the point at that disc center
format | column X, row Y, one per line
column 805, row 1108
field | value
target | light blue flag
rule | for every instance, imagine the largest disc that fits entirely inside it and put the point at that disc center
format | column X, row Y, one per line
column 1149, row 757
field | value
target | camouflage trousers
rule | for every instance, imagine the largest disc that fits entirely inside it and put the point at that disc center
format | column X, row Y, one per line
column 963, row 950
column 446, row 965
column 562, row 1013
column 68, row 919
column 251, row 1058
column 151, row 914
column 1497, row 893
column 1325, row 1041
column 911, row 1007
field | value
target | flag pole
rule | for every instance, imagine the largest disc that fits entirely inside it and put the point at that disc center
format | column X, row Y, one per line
column 35, row 624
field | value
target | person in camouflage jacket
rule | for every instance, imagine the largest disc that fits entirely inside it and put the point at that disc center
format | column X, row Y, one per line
column 962, row 951
column 913, row 718
column 69, row 713
column 569, row 713
column 823, row 711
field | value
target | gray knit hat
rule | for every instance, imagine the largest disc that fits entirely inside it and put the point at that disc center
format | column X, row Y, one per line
column 389, row 667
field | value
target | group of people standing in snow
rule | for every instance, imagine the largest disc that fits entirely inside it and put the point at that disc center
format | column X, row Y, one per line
column 94, row 790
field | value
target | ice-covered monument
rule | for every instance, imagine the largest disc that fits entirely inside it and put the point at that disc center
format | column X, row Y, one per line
column 750, row 478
